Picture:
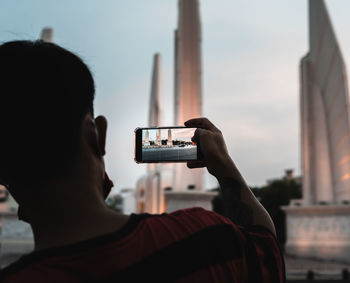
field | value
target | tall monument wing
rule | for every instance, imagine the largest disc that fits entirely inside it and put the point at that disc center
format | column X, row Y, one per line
column 155, row 112
column 149, row 193
column 325, row 114
column 319, row 226
column 155, row 106
column 188, row 83
column 173, row 186
column 188, row 76
column 47, row 34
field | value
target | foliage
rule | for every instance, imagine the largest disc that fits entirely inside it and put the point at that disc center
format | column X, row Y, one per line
column 115, row 203
column 272, row 196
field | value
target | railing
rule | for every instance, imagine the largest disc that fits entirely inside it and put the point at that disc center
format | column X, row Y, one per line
column 316, row 276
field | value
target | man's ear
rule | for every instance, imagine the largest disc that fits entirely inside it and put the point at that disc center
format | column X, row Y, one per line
column 95, row 133
column 101, row 125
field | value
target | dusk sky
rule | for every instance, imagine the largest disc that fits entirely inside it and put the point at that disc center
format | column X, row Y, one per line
column 250, row 57
column 183, row 134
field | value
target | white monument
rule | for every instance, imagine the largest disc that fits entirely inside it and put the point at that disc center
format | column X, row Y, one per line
column 319, row 224
column 188, row 83
column 47, row 34
column 150, row 187
column 188, row 187
column 181, row 186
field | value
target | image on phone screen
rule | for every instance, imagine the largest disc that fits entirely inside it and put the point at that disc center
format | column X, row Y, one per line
column 172, row 144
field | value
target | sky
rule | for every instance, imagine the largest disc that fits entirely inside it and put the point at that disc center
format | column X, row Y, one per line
column 183, row 134
column 250, row 57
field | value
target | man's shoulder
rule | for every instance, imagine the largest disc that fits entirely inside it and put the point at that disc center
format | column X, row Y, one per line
column 198, row 215
column 169, row 235
column 186, row 226
column 189, row 219
column 200, row 237
column 19, row 271
column 252, row 243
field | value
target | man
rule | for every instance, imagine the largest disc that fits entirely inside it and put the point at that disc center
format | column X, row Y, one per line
column 51, row 160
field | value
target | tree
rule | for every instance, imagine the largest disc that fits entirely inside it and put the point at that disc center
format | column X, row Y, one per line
column 115, row 202
column 272, row 196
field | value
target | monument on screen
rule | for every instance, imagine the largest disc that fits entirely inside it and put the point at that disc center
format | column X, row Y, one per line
column 319, row 224
column 170, row 138
column 146, row 141
column 173, row 186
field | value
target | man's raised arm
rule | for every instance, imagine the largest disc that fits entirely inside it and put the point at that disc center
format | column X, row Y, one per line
column 239, row 201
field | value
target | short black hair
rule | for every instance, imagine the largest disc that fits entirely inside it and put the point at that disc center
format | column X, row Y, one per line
column 45, row 92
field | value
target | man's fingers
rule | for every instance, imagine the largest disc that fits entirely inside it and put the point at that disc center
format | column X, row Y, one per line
column 196, row 135
column 196, row 164
column 202, row 123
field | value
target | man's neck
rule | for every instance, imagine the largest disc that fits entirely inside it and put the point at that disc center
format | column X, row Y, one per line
column 69, row 217
column 77, row 228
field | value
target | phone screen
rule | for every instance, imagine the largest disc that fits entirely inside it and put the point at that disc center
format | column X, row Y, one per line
column 168, row 144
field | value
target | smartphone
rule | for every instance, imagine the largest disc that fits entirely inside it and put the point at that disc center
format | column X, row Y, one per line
column 165, row 144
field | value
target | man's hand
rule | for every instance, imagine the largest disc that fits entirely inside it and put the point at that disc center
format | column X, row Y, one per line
column 240, row 203
column 214, row 150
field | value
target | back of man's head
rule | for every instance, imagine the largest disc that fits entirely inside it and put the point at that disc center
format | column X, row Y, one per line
column 45, row 92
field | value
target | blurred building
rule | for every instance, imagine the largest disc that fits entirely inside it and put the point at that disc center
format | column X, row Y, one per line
column 123, row 201
column 320, row 225
column 129, row 201
column 16, row 237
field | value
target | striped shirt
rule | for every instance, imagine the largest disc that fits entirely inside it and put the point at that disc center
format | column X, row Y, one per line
column 189, row 245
